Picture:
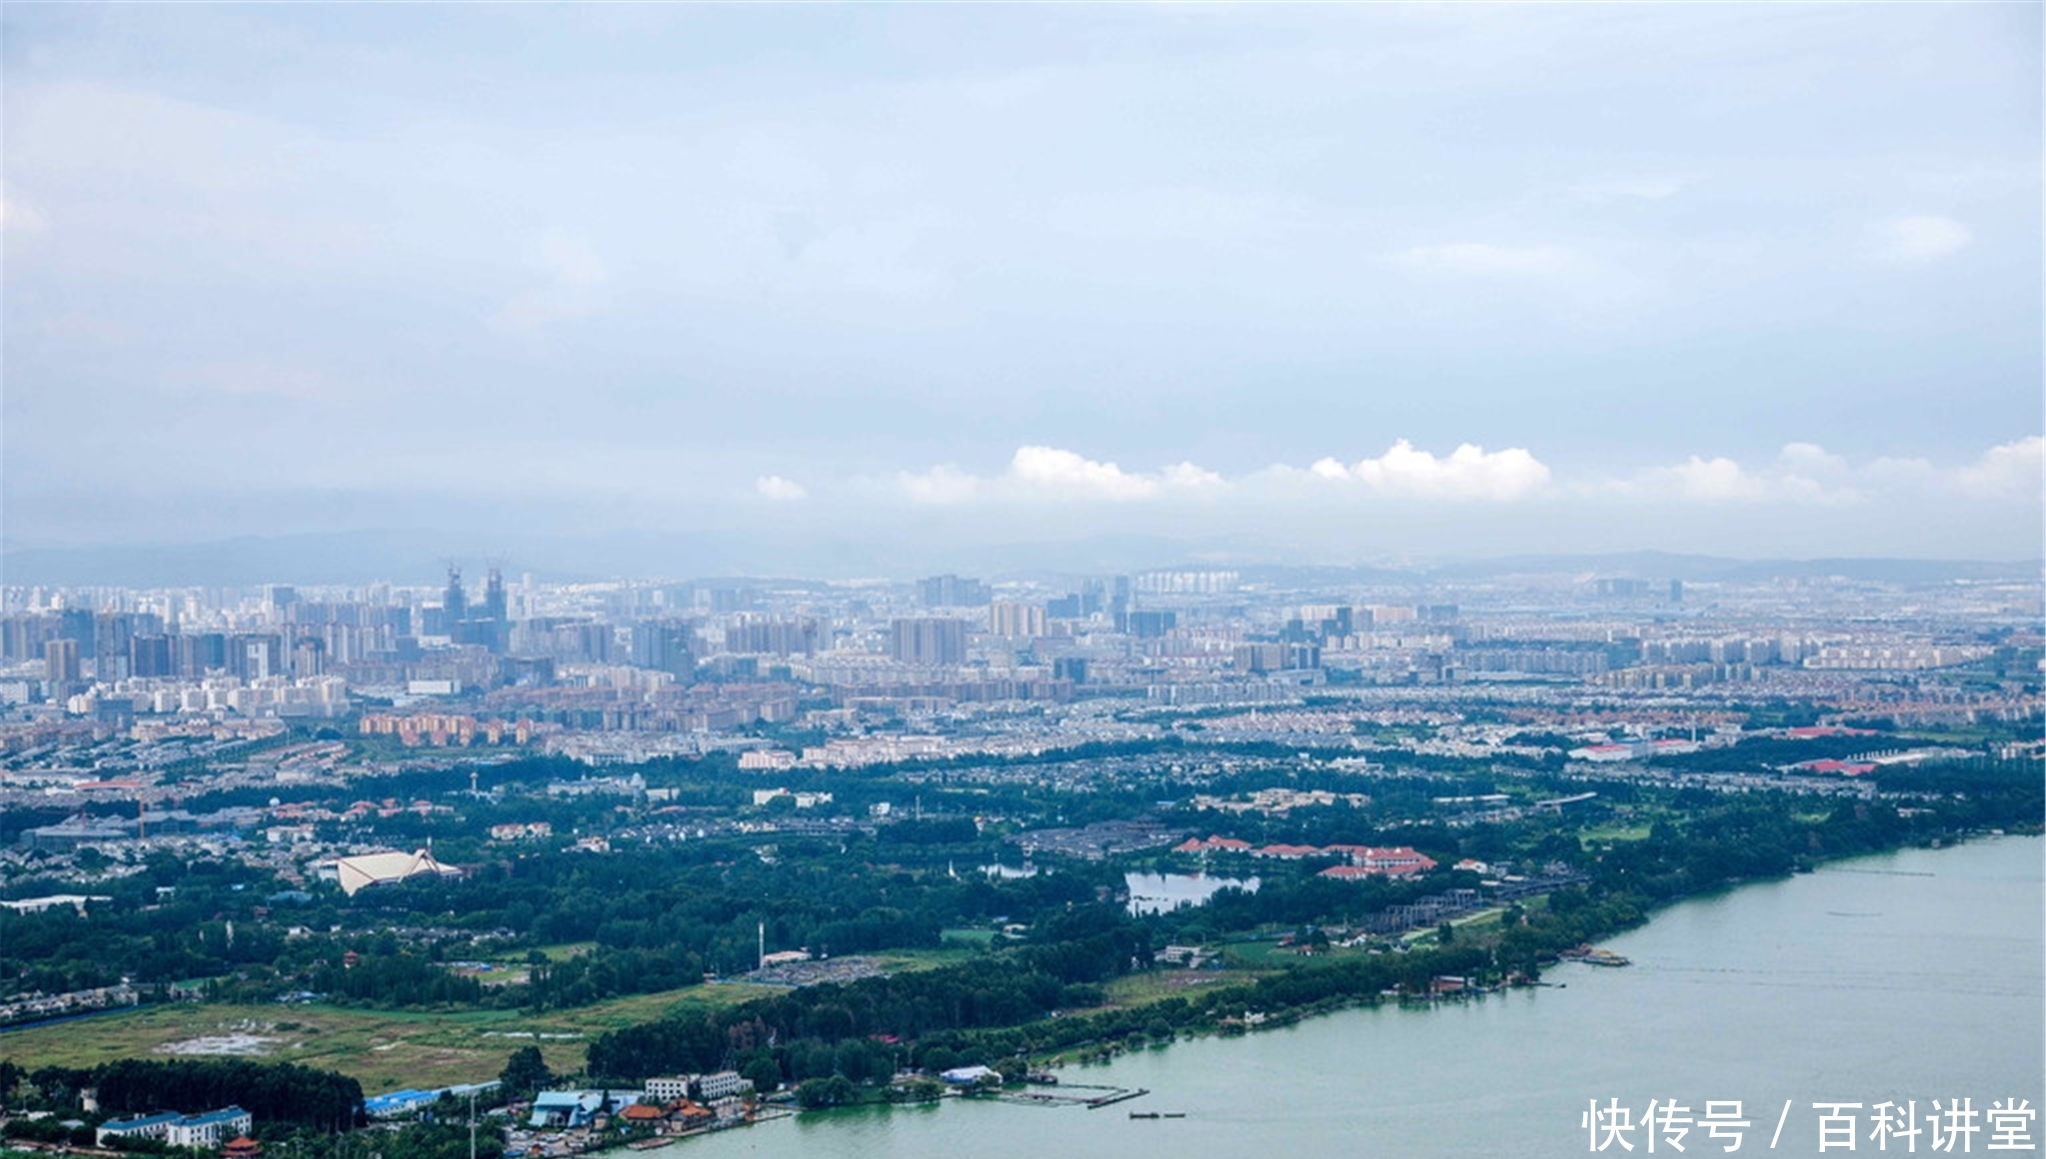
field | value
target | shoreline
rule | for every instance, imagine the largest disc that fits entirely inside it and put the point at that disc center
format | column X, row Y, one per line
column 1314, row 1013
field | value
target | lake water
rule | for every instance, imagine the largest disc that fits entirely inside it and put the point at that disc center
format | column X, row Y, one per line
column 1915, row 975
column 1152, row 893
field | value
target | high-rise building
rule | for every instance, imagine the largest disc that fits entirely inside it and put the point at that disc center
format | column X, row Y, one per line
column 255, row 656
column 60, row 662
column 77, row 624
column 151, row 656
column 1153, row 624
column 496, row 605
column 665, row 646
column 950, row 591
column 21, row 637
column 278, row 599
column 1015, row 621
column 454, row 602
column 773, row 636
column 199, row 653
column 928, row 640
column 487, row 625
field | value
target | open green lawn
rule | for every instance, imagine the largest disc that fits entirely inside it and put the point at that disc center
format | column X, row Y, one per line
column 1142, row 989
column 383, row 1049
column 559, row 952
column 1614, row 831
column 902, row 961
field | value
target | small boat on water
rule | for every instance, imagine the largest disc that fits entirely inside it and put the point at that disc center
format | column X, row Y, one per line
column 1595, row 957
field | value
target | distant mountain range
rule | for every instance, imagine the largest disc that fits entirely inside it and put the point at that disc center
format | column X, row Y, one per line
column 415, row 557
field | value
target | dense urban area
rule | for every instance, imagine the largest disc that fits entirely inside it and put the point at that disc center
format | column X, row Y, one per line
column 547, row 867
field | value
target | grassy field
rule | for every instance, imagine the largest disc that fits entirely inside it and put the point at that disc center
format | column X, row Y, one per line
column 560, row 952
column 904, row 961
column 384, row 1050
column 1614, row 832
column 1156, row 985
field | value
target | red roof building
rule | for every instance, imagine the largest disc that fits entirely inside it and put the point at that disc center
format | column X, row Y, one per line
column 1212, row 845
column 1288, row 852
column 1844, row 768
column 1373, row 861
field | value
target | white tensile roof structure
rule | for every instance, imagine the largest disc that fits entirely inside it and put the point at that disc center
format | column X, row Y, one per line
column 383, row 868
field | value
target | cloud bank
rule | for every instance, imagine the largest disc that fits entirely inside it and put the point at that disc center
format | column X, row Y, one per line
column 1040, row 473
column 1800, row 474
column 1469, row 472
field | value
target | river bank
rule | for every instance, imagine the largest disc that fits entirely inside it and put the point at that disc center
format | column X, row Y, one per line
column 1927, row 987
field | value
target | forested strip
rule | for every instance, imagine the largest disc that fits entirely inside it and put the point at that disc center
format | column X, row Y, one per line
column 272, row 1092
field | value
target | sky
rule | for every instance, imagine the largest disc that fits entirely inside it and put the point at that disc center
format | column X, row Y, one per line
column 1313, row 283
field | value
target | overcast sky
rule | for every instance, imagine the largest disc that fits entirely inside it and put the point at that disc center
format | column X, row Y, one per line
column 1352, row 281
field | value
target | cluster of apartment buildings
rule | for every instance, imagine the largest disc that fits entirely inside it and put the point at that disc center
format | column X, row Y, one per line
column 623, row 672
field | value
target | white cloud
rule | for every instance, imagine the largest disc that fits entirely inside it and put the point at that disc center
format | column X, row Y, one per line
column 1923, row 238
column 780, row 490
column 1810, row 459
column 1715, row 479
column 2014, row 470
column 1188, row 475
column 1807, row 473
column 1477, row 259
column 1469, row 472
column 941, row 485
column 1064, row 473
column 1802, row 473
column 1038, row 472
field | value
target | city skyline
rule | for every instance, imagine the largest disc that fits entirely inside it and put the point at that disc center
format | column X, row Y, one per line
column 748, row 288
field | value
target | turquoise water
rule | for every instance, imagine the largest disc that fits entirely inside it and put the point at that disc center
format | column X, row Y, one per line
column 1915, row 975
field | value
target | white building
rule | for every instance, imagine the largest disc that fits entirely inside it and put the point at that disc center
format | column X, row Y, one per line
column 211, row 1129
column 723, row 1084
column 208, row 1130
column 669, row 1088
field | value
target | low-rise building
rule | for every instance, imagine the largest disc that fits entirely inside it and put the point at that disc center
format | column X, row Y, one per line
column 140, row 1127
column 722, row 1085
column 668, row 1088
column 209, row 1129
column 358, row 873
